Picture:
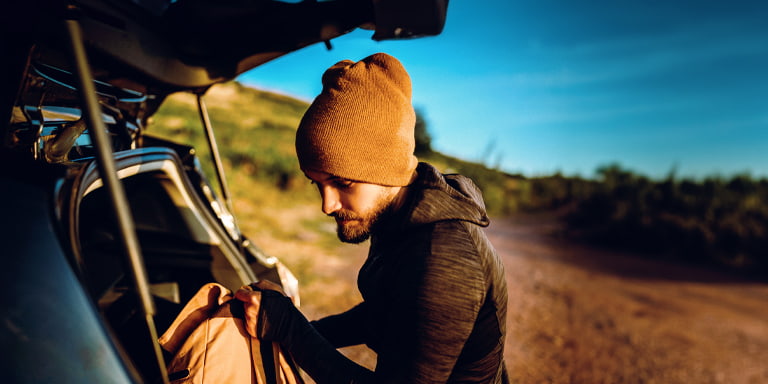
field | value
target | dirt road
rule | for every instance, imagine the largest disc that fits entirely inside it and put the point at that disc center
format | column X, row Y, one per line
column 580, row 315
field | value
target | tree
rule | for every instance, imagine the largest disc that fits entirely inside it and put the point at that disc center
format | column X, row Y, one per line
column 423, row 138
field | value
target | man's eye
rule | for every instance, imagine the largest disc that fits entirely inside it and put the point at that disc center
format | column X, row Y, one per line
column 341, row 183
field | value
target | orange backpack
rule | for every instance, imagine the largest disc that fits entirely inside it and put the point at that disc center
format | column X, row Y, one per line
column 210, row 345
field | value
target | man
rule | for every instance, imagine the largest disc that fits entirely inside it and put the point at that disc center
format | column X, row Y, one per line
column 433, row 288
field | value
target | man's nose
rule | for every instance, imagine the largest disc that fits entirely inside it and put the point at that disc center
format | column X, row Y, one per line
column 331, row 202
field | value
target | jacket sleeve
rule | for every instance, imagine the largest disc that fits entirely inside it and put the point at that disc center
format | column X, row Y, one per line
column 280, row 321
column 344, row 329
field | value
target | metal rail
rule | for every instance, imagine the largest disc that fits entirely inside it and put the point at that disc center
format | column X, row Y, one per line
column 108, row 173
column 219, row 167
column 215, row 155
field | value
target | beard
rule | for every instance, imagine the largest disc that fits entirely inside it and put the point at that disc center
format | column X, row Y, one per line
column 358, row 227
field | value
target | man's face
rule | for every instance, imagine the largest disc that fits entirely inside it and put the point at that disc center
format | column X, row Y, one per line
column 356, row 206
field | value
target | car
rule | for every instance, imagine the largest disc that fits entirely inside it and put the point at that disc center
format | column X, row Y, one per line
column 106, row 230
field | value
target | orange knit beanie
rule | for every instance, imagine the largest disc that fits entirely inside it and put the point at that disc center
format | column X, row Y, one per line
column 361, row 125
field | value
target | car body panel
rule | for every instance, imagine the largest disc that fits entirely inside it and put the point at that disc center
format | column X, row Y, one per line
column 52, row 332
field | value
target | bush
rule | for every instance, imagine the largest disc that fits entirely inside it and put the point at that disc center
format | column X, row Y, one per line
column 712, row 221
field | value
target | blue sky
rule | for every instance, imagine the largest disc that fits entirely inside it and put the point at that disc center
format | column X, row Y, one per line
column 543, row 86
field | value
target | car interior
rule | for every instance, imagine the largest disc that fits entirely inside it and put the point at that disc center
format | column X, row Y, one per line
column 182, row 247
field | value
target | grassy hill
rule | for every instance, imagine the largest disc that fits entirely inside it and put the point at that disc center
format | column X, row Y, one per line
column 720, row 220
column 255, row 132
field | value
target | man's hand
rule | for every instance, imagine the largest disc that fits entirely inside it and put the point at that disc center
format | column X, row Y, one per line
column 251, row 297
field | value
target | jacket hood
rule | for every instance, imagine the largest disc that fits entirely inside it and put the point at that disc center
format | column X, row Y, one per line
column 446, row 197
